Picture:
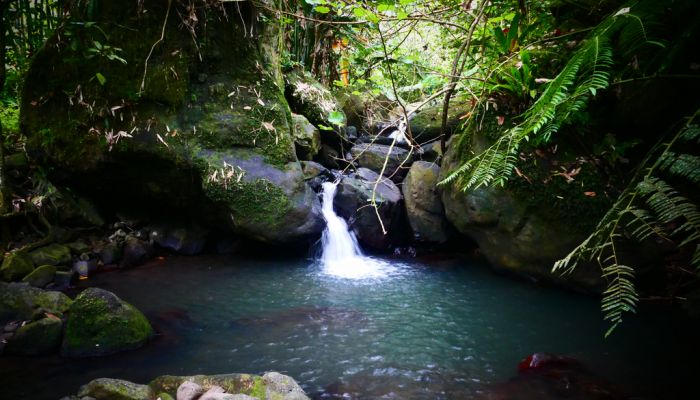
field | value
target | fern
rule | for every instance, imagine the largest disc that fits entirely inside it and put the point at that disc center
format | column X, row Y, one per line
column 587, row 72
column 649, row 206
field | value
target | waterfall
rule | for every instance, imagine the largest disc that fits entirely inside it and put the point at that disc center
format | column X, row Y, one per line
column 340, row 247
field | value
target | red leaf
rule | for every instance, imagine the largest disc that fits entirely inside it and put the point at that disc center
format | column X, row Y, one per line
column 501, row 119
column 590, row 194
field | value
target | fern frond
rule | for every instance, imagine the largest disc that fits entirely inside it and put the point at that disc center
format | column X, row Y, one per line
column 682, row 165
column 587, row 71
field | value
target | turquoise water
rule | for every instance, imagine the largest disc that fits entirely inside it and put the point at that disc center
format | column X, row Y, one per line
column 424, row 328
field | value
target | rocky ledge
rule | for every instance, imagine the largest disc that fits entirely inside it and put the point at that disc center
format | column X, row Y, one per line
column 271, row 385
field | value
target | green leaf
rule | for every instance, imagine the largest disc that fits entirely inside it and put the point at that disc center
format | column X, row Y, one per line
column 324, row 127
column 336, row 118
column 322, row 10
column 101, row 78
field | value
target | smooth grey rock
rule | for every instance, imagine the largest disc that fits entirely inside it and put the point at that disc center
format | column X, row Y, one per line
column 53, row 254
column 423, row 203
column 189, row 390
column 35, row 338
column 136, row 252
column 373, row 156
column 282, row 387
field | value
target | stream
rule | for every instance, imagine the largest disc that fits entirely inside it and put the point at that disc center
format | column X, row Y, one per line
column 438, row 327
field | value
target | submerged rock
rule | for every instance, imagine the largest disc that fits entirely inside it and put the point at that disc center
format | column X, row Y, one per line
column 16, row 266
column 100, row 323
column 352, row 202
column 115, row 389
column 423, row 203
column 35, row 338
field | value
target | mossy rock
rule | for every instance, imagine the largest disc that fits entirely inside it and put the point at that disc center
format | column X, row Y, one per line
column 21, row 301
column 35, row 338
column 268, row 204
column 196, row 104
column 100, row 323
column 114, row 389
column 53, row 254
column 426, row 124
column 520, row 228
column 314, row 101
column 41, row 276
column 307, row 138
column 270, row 386
column 16, row 266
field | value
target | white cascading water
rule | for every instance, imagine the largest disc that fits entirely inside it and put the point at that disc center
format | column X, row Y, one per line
column 340, row 247
column 341, row 254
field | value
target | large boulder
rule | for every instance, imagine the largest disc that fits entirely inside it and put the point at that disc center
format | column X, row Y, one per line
column 374, row 156
column 188, row 240
column 353, row 202
column 173, row 136
column 114, row 389
column 423, row 203
column 19, row 301
column 100, row 323
column 16, row 266
column 530, row 223
column 37, row 337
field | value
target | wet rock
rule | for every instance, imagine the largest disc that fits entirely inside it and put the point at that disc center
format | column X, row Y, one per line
column 41, row 276
column 35, row 338
column 549, row 376
column 53, row 254
column 329, row 157
column 16, row 266
column 373, row 156
column 111, row 253
column 136, row 252
column 100, row 323
column 115, row 389
column 423, row 204
column 19, row 301
column 164, row 396
column 352, row 197
column 184, row 240
column 313, row 169
column 307, row 138
column 189, row 391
